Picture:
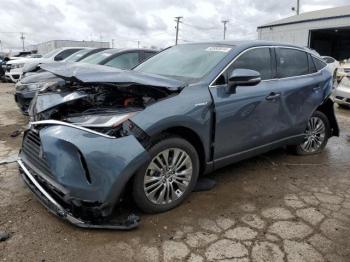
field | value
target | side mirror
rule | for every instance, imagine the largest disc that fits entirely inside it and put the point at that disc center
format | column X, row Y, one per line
column 58, row 58
column 242, row 77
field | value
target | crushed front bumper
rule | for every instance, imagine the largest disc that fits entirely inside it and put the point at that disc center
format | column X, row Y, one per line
column 54, row 207
column 79, row 174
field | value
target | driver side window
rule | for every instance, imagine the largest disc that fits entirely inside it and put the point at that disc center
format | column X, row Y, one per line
column 258, row 59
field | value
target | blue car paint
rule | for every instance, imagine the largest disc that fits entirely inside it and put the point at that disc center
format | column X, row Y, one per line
column 110, row 163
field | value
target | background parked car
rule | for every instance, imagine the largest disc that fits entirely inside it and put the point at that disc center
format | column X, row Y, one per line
column 344, row 69
column 332, row 65
column 75, row 57
column 2, row 71
column 117, row 58
column 16, row 67
column 342, row 93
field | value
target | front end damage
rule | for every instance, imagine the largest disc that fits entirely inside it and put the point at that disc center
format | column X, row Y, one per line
column 77, row 173
column 82, row 147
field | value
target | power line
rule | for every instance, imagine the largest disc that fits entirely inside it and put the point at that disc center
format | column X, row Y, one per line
column 177, row 20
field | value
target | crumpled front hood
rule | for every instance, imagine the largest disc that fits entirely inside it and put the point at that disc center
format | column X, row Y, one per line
column 38, row 78
column 88, row 73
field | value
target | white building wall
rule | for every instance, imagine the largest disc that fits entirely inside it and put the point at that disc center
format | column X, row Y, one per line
column 46, row 47
column 298, row 34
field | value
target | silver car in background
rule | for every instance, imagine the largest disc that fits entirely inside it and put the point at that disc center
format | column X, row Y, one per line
column 342, row 93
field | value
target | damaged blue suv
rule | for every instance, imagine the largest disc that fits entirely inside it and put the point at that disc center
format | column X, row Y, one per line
column 151, row 132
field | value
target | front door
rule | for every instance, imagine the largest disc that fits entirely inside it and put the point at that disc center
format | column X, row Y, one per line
column 251, row 117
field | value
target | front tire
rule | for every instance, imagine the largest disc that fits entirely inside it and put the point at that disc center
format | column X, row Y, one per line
column 317, row 134
column 168, row 178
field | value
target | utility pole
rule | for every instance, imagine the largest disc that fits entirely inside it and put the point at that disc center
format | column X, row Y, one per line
column 178, row 21
column 297, row 9
column 112, row 43
column 22, row 38
column 225, row 22
column 138, row 44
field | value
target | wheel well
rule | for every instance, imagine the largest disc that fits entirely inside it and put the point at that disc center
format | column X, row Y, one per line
column 327, row 108
column 194, row 139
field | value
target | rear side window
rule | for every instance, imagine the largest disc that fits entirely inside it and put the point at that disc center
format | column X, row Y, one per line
column 258, row 59
column 124, row 61
column 312, row 67
column 65, row 53
column 329, row 60
column 318, row 63
column 291, row 62
column 148, row 55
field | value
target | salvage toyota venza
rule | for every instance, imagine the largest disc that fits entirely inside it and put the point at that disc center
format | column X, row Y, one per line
column 185, row 112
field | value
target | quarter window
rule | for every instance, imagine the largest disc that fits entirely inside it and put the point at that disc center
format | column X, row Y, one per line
column 329, row 60
column 312, row 67
column 148, row 54
column 124, row 61
column 319, row 64
column 258, row 59
column 291, row 62
column 65, row 53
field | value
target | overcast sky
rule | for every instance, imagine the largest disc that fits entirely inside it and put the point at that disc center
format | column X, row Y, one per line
column 149, row 21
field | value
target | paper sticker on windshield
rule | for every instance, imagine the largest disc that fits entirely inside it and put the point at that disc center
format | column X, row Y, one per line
column 106, row 54
column 218, row 49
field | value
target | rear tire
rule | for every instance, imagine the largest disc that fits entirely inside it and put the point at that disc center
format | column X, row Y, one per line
column 168, row 177
column 317, row 134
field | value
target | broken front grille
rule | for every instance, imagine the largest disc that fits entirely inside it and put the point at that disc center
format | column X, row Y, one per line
column 32, row 151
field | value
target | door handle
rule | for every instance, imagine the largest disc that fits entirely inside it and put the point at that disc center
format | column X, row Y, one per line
column 273, row 96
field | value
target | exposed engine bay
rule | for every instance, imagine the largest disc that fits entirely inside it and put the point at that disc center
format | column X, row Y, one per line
column 102, row 107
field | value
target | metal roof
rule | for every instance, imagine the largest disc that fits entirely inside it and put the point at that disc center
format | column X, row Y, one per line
column 336, row 12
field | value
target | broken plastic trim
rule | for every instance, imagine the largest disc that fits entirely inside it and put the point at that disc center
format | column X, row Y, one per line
column 51, row 204
column 56, row 122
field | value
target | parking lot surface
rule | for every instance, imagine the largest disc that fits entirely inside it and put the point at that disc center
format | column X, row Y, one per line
column 274, row 207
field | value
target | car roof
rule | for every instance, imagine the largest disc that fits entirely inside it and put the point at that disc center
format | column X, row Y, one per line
column 119, row 50
column 246, row 43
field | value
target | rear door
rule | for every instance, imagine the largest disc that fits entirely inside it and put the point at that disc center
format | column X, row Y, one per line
column 252, row 116
column 302, row 88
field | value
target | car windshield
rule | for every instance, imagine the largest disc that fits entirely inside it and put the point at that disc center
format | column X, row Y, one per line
column 98, row 57
column 50, row 54
column 191, row 61
column 77, row 55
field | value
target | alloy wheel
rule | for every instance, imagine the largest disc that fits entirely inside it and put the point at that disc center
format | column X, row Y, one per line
column 314, row 135
column 168, row 176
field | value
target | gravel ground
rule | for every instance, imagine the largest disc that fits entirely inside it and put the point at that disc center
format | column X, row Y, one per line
column 275, row 207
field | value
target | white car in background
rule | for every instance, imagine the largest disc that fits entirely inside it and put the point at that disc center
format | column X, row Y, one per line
column 344, row 70
column 341, row 94
column 15, row 68
column 332, row 66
